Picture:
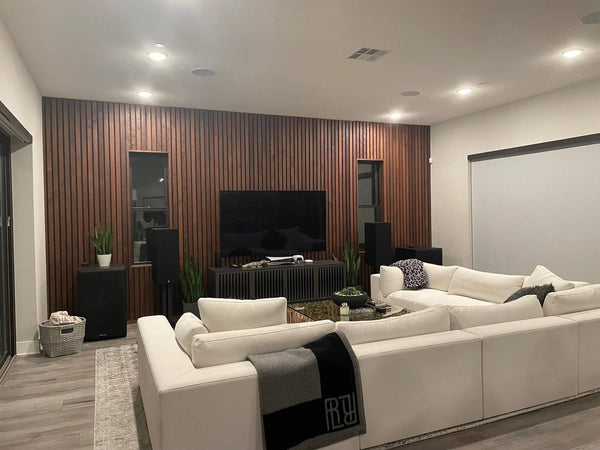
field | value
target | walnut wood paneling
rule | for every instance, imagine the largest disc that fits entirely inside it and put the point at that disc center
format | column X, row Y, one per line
column 86, row 157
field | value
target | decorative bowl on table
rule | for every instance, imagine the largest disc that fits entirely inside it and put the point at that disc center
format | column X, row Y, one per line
column 350, row 295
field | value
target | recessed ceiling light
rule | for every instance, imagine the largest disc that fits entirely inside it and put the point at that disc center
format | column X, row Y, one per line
column 159, row 45
column 203, row 72
column 464, row 91
column 145, row 94
column 591, row 19
column 411, row 93
column 157, row 56
column 395, row 115
column 572, row 53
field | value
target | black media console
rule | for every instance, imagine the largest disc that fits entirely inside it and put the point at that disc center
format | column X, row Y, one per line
column 296, row 282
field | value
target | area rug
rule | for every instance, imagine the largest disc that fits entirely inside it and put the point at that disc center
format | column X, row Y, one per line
column 119, row 422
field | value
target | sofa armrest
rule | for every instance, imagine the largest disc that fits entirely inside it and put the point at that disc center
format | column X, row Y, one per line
column 194, row 408
column 376, row 286
column 419, row 384
column 581, row 298
column 527, row 363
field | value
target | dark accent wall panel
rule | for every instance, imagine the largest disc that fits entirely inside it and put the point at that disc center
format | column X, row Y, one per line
column 86, row 148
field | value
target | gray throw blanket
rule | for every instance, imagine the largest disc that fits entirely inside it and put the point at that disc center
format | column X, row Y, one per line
column 310, row 396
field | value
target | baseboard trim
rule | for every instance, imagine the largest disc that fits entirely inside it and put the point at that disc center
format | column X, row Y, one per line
column 28, row 347
column 466, row 426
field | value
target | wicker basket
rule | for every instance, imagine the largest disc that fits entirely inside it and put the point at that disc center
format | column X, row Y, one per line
column 60, row 340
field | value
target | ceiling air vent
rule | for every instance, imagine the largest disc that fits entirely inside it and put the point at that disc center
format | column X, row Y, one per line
column 367, row 54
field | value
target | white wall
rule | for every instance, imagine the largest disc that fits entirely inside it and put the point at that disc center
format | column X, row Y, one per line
column 20, row 95
column 560, row 114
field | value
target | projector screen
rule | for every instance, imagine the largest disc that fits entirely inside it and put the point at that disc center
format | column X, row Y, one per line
column 538, row 208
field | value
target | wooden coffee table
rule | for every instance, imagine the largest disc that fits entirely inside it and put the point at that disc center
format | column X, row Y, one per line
column 327, row 309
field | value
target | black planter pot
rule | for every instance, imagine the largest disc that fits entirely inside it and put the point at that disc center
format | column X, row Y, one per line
column 354, row 301
column 190, row 307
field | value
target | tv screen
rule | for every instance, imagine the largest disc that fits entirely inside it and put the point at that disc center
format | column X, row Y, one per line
column 272, row 223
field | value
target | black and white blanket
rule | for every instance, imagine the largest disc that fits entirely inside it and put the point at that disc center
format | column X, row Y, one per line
column 310, row 396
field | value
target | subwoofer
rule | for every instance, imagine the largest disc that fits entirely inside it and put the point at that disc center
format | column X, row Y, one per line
column 163, row 251
column 102, row 300
column 378, row 244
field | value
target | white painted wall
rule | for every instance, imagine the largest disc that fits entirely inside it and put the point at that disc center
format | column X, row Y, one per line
column 560, row 114
column 20, row 95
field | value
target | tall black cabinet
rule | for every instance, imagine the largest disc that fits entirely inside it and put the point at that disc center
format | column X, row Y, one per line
column 102, row 300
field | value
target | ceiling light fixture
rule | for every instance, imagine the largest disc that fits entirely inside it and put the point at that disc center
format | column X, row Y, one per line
column 395, row 115
column 591, row 19
column 157, row 56
column 203, row 72
column 411, row 93
column 572, row 53
column 464, row 91
column 145, row 94
column 159, row 45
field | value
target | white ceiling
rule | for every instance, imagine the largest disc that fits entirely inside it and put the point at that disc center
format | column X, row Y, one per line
column 289, row 57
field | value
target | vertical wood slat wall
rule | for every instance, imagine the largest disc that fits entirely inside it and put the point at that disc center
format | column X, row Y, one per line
column 86, row 162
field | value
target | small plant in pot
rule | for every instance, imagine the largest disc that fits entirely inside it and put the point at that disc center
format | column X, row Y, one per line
column 352, row 261
column 191, row 285
column 350, row 295
column 102, row 239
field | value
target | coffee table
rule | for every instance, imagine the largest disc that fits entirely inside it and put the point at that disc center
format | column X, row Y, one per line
column 327, row 309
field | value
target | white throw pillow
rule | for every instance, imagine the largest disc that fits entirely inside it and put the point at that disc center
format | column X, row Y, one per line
column 391, row 279
column 542, row 275
column 225, row 314
column 573, row 300
column 224, row 347
column 439, row 276
column 430, row 320
column 188, row 326
column 491, row 287
column 526, row 307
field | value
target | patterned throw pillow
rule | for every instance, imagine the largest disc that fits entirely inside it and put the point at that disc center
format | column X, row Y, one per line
column 540, row 291
column 414, row 275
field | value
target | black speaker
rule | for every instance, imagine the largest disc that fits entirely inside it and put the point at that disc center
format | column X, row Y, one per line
column 163, row 251
column 431, row 255
column 217, row 259
column 378, row 244
column 102, row 300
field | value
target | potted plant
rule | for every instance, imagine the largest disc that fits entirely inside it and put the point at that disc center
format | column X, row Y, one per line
column 352, row 261
column 191, row 285
column 350, row 295
column 102, row 239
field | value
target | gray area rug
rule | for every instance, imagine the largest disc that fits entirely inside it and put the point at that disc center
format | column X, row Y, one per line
column 119, row 422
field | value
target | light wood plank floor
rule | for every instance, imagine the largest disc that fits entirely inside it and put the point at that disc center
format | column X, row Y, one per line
column 49, row 403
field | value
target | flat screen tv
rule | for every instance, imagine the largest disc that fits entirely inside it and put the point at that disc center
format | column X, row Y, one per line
column 272, row 223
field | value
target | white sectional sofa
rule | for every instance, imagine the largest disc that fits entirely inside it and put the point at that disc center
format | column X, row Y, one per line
column 420, row 372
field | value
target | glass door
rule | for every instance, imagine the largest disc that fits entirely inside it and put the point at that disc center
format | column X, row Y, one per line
column 7, row 347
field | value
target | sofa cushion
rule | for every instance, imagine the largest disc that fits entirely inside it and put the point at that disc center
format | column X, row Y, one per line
column 212, row 349
column 527, row 307
column 391, row 279
column 438, row 277
column 542, row 275
column 448, row 300
column 573, row 300
column 188, row 326
column 225, row 314
column 414, row 275
column 491, row 287
column 539, row 291
column 430, row 320
column 406, row 299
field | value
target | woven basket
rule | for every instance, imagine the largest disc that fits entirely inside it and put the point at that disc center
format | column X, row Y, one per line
column 60, row 340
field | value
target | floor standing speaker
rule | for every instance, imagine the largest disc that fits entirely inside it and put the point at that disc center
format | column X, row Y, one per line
column 163, row 251
column 431, row 255
column 378, row 244
column 102, row 300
